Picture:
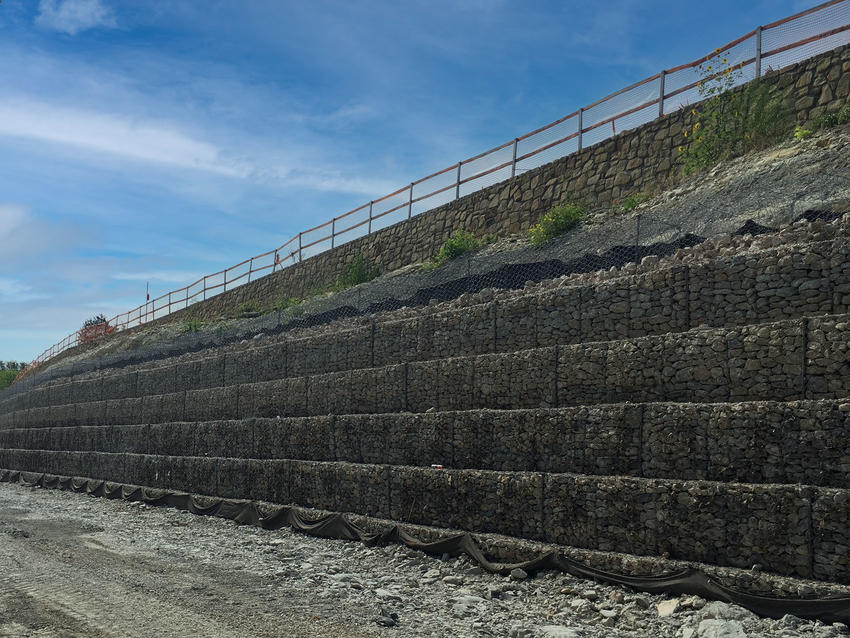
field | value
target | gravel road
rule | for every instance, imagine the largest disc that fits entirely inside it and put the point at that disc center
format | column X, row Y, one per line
column 74, row 566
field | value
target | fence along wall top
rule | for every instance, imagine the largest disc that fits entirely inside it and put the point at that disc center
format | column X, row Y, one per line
column 73, row 339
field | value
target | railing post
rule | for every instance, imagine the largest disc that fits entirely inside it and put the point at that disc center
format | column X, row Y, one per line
column 274, row 263
column 299, row 246
column 661, row 95
column 580, row 126
column 410, row 201
column 169, row 303
column 333, row 231
column 457, row 182
column 369, row 230
column 758, row 51
column 205, row 287
column 224, row 288
column 250, row 269
column 513, row 161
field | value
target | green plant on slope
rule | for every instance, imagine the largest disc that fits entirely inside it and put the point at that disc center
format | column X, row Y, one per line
column 457, row 244
column 632, row 201
column 802, row 133
column 556, row 222
column 193, row 325
column 358, row 271
column 7, row 377
column 729, row 123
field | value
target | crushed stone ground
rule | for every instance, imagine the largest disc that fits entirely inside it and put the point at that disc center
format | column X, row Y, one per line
column 74, row 566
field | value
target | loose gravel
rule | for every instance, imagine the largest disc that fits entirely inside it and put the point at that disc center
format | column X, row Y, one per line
column 73, row 566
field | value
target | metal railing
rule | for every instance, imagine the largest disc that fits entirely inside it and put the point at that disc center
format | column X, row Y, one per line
column 773, row 46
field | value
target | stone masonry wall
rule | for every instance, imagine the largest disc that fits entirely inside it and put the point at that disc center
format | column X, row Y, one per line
column 633, row 161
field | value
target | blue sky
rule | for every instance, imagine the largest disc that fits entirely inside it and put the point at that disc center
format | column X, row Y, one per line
column 162, row 140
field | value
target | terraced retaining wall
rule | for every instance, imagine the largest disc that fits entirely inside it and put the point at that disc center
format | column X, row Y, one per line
column 637, row 160
column 753, row 442
column 778, row 283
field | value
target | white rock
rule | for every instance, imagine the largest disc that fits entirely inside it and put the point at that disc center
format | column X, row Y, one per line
column 725, row 611
column 714, row 628
column 667, row 607
column 558, row 631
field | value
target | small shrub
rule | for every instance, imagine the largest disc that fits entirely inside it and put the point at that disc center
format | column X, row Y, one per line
column 633, row 201
column 358, row 271
column 844, row 113
column 556, row 222
column 193, row 325
column 249, row 306
column 729, row 123
column 7, row 377
column 94, row 328
column 802, row 133
column 458, row 243
column 286, row 302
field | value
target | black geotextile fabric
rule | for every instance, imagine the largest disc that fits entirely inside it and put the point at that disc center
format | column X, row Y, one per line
column 686, row 581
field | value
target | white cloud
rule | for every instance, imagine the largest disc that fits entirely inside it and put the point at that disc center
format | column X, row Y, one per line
column 178, row 276
column 14, row 290
column 107, row 133
column 73, row 16
column 12, row 217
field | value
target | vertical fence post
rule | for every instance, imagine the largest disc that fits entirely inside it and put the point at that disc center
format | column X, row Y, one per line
column 169, row 304
column 224, row 288
column 369, row 230
column 758, row 51
column 580, row 126
column 410, row 201
column 457, row 182
column 299, row 246
column 205, row 287
column 637, row 238
column 250, row 269
column 274, row 263
column 513, row 161
column 333, row 231
column 661, row 95
column 187, row 297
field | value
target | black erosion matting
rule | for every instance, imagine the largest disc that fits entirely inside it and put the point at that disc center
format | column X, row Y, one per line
column 686, row 581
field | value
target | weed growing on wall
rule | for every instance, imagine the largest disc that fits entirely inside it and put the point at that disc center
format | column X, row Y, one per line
column 358, row 271
column 556, row 222
column 458, row 243
column 729, row 123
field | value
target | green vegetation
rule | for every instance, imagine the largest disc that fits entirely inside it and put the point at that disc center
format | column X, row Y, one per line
column 802, row 133
column 458, row 243
column 730, row 123
column 632, row 201
column 358, row 271
column 248, row 306
column 193, row 325
column 7, row 377
column 556, row 222
column 9, row 370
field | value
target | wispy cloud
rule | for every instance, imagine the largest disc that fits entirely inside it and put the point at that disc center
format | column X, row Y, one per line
column 106, row 133
column 74, row 16
column 16, row 291
column 174, row 276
